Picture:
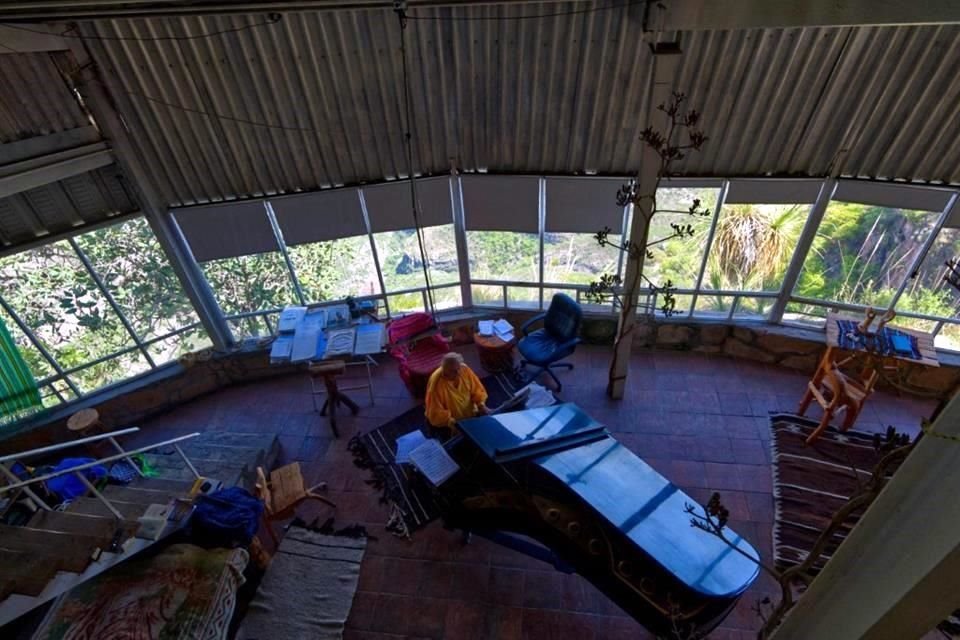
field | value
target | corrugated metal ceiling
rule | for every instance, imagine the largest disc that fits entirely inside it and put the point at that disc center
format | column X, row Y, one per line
column 558, row 95
column 35, row 100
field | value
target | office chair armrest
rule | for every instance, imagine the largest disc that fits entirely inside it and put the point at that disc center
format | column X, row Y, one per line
column 568, row 344
column 526, row 325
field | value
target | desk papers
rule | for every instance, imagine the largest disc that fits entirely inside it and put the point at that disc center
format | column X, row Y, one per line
column 290, row 318
column 339, row 343
column 370, row 338
column 407, row 443
column 485, row 327
column 281, row 349
column 433, row 461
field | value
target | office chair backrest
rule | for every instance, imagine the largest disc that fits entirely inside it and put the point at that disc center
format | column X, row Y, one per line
column 563, row 318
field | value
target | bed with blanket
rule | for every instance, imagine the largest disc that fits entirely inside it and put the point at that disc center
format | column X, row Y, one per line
column 184, row 592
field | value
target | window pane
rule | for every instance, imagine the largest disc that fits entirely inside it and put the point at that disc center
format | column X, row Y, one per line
column 447, row 298
column 53, row 294
column 335, row 269
column 250, row 283
column 405, row 303
column 110, row 371
column 504, row 255
column 678, row 259
column 177, row 345
column 754, row 308
column 38, row 365
column 577, row 258
column 948, row 338
column 752, row 246
column 712, row 306
column 863, row 253
column 136, row 272
column 488, row 295
column 928, row 293
column 400, row 261
column 523, row 297
column 805, row 314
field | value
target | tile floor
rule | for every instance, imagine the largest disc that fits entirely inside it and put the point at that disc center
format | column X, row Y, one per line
column 699, row 420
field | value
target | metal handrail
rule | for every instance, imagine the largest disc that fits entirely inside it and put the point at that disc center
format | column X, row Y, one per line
column 67, row 445
column 87, row 465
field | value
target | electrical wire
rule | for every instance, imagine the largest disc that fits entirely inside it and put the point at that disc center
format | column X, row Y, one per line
column 273, row 18
column 536, row 16
column 254, row 123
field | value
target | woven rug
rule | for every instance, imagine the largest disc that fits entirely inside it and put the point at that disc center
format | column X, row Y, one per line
column 811, row 483
column 411, row 501
column 308, row 588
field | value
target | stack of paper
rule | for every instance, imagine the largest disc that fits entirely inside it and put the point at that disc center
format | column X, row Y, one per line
column 486, row 327
column 289, row 318
column 407, row 443
column 433, row 461
column 339, row 342
column 282, row 346
column 503, row 330
column 370, row 339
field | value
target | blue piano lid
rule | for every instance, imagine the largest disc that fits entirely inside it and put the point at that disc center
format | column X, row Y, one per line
column 629, row 494
column 506, row 430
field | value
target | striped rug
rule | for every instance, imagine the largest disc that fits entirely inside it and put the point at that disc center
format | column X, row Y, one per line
column 811, row 483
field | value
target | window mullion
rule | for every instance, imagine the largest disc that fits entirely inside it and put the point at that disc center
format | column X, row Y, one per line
column 278, row 235
column 721, row 197
column 110, row 300
column 952, row 205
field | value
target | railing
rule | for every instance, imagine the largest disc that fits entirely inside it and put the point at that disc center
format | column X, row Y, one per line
column 122, row 454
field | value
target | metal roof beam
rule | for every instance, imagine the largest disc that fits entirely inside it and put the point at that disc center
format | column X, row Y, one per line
column 696, row 15
column 29, row 174
column 52, row 10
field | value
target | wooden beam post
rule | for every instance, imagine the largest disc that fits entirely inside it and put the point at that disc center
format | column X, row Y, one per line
column 664, row 66
column 898, row 572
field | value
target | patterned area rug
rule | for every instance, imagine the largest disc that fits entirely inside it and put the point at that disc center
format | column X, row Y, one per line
column 412, row 505
column 308, row 589
column 811, row 483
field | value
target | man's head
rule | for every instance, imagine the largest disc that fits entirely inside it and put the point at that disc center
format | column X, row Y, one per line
column 450, row 365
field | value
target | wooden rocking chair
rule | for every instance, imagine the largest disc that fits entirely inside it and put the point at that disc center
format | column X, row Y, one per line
column 835, row 391
column 283, row 493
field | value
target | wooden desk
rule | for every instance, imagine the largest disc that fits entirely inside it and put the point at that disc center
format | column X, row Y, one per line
column 925, row 346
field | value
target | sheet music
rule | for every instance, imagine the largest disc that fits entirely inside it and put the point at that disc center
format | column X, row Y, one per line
column 485, row 327
column 369, row 339
column 407, row 443
column 339, row 342
column 433, row 461
column 305, row 342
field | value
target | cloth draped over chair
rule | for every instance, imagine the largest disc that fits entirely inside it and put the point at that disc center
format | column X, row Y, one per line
column 19, row 394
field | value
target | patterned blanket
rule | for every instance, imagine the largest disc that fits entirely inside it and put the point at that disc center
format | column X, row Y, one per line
column 181, row 593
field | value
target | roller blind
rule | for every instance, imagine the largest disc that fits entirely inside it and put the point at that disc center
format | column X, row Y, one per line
column 583, row 205
column 227, row 230
column 388, row 205
column 319, row 216
column 899, row 196
column 764, row 191
column 501, row 203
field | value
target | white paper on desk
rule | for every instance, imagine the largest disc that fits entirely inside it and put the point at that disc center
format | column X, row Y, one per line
column 281, row 349
column 502, row 326
column 339, row 342
column 539, row 396
column 305, row 343
column 506, row 337
column 433, row 461
column 290, row 317
column 485, row 327
column 407, row 443
column 369, row 339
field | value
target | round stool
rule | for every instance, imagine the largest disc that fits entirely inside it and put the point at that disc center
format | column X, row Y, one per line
column 85, row 422
column 496, row 355
column 327, row 371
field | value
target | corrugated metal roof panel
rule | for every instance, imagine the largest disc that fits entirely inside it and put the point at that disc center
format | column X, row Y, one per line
column 558, row 95
column 63, row 206
column 35, row 99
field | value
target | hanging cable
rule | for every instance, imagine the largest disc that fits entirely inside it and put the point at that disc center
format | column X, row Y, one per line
column 72, row 32
column 400, row 8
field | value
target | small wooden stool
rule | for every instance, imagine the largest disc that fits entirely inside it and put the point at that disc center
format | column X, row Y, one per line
column 496, row 355
column 85, row 422
column 327, row 372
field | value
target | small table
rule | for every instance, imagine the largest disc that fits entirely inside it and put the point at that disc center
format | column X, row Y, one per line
column 496, row 355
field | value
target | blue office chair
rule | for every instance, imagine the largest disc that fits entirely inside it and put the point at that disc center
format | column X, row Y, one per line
column 544, row 348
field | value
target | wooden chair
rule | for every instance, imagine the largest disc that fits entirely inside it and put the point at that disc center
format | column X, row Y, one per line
column 283, row 493
column 836, row 391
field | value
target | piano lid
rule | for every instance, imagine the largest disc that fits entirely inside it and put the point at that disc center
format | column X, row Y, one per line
column 628, row 493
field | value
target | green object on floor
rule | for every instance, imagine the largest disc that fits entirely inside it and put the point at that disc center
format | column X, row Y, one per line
column 19, row 394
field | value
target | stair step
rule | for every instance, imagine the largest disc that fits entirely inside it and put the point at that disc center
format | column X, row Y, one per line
column 83, row 524
column 73, row 552
column 139, row 495
column 93, row 507
column 26, row 573
column 231, row 458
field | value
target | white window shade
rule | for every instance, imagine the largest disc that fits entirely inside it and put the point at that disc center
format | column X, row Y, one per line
column 319, row 216
column 501, row 203
column 583, row 205
column 897, row 196
column 227, row 230
column 388, row 205
column 764, row 191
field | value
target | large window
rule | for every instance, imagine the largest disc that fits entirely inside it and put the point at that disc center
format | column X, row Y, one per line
column 335, row 269
column 678, row 259
column 929, row 294
column 863, row 253
column 402, row 265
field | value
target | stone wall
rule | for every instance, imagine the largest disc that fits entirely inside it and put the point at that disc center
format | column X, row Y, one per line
column 207, row 371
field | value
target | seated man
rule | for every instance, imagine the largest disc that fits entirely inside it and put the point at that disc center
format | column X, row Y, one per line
column 454, row 392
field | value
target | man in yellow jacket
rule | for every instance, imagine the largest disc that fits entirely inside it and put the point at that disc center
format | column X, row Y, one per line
column 454, row 392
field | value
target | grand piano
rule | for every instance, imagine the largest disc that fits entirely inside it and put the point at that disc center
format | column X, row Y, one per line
column 556, row 475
